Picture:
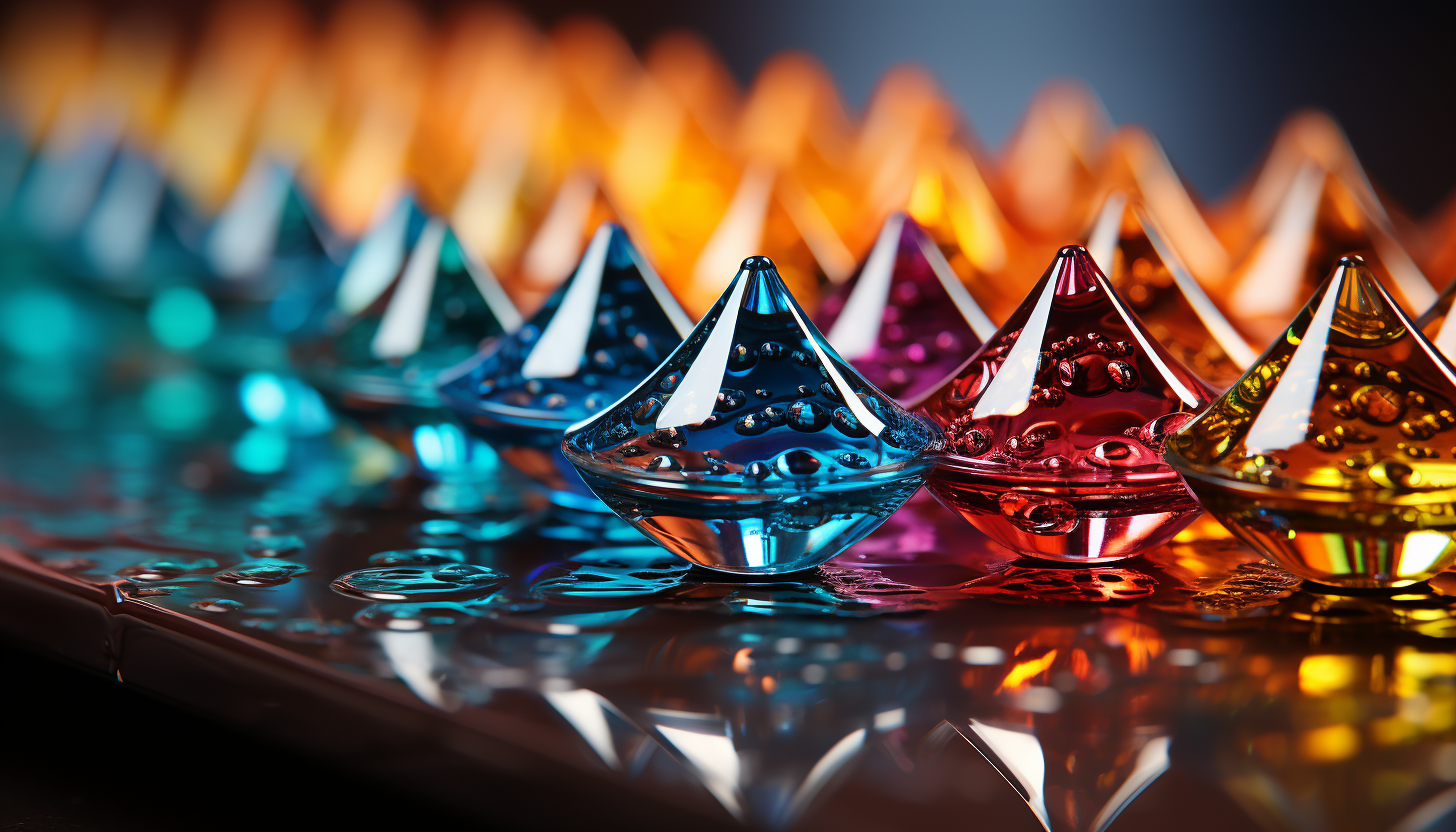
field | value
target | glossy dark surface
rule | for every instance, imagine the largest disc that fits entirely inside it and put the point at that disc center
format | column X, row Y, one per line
column 1057, row 423
column 754, row 447
column 920, row 679
column 1331, row 455
column 903, row 319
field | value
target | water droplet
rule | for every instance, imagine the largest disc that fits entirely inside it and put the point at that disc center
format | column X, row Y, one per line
column 260, row 573
column 1037, row 513
column 807, row 417
column 403, row 583
column 798, row 463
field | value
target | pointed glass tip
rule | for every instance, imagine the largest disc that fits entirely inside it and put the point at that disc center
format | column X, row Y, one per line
column 1076, row 272
column 600, row 332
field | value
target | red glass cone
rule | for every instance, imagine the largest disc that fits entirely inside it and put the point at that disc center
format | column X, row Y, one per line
column 904, row 319
column 1058, row 423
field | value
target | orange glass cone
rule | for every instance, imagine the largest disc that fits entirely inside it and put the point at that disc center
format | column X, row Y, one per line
column 674, row 172
column 373, row 54
column 1049, row 174
column 1146, row 269
column 555, row 245
column 1433, row 323
column 1134, row 163
column 952, row 200
column 1310, row 204
column 1331, row 455
column 1057, row 425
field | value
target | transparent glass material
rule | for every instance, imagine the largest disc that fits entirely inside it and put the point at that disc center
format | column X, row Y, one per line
column 1433, row 322
column 1056, row 425
column 904, row 320
column 754, row 448
column 1148, row 273
column 593, row 341
column 397, row 320
column 1331, row 455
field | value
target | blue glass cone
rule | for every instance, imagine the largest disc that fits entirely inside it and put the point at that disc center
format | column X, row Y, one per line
column 410, row 304
column 596, row 337
column 754, row 448
column 267, row 232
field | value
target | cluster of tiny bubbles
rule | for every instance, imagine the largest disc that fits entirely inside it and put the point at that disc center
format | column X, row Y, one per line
column 450, row 581
column 261, row 573
column 1252, row 587
column 617, row 572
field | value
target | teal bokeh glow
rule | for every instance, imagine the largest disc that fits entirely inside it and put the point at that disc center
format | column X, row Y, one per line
column 37, row 323
column 178, row 403
column 181, row 318
column 261, row 451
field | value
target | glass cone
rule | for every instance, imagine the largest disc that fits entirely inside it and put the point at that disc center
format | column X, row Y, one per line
column 1050, row 173
column 1323, row 215
column 769, row 211
column 904, row 320
column 268, row 230
column 952, row 201
column 754, row 448
column 1057, row 422
column 1327, row 456
column 400, row 318
column 1143, row 267
column 601, row 332
column 575, row 213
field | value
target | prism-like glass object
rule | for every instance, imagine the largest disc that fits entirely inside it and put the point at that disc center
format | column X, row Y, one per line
column 754, row 448
column 596, row 337
column 1056, row 425
column 904, row 320
column 1149, row 273
column 1330, row 455
column 402, row 315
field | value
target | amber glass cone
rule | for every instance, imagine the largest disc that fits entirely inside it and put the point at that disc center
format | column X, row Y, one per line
column 1332, row 455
